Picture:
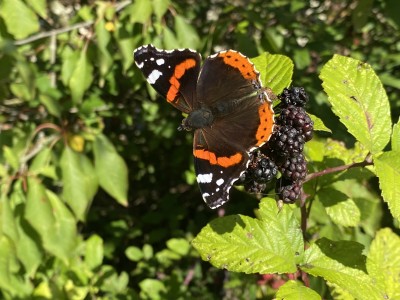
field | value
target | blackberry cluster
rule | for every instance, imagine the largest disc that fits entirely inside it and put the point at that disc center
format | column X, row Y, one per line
column 284, row 150
column 293, row 129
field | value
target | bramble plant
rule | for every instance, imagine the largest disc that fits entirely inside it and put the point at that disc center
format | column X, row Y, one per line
column 278, row 242
column 98, row 198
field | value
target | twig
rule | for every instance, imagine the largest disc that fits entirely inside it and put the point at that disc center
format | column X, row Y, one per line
column 189, row 275
column 367, row 162
column 54, row 32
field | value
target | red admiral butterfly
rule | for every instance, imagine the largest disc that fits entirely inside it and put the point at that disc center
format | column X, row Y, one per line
column 229, row 111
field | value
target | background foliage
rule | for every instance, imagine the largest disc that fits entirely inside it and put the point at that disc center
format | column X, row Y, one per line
column 98, row 198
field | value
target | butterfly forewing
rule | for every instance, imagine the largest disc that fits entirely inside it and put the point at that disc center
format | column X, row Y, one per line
column 172, row 76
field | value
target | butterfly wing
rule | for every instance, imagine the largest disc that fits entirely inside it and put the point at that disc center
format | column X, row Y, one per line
column 243, row 120
column 173, row 74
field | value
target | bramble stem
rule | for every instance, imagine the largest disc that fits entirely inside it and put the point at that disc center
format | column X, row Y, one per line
column 367, row 162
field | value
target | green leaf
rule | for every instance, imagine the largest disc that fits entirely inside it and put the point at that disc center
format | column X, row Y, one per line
column 302, row 58
column 243, row 244
column 79, row 181
column 160, row 7
column 396, row 136
column 387, row 167
column 134, row 253
column 358, row 98
column 340, row 208
column 319, row 124
column 94, row 251
column 40, row 7
column 294, row 290
column 69, row 61
column 111, row 169
column 7, row 222
column 180, row 246
column 105, row 59
column 343, row 264
column 51, row 219
column 28, row 239
column 338, row 293
column 186, row 33
column 81, row 78
column 361, row 14
column 140, row 11
column 148, row 251
column 152, row 289
column 383, row 262
column 11, row 157
column 276, row 71
column 10, row 281
column 20, row 20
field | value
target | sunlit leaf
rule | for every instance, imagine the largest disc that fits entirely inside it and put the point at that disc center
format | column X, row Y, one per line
column 111, row 169
column 387, row 168
column 20, row 20
column 358, row 98
column 276, row 71
column 272, row 244
column 383, row 262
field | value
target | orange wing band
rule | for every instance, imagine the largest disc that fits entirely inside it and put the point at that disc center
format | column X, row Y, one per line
column 240, row 62
column 178, row 73
column 223, row 161
column 265, row 128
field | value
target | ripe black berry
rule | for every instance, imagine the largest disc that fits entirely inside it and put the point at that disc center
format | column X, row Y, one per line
column 288, row 191
column 294, row 168
column 297, row 118
column 254, row 187
column 286, row 141
column 294, row 96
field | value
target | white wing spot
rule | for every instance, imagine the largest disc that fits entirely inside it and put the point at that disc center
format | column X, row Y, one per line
column 217, row 190
column 154, row 75
column 205, row 195
column 151, row 58
column 204, row 178
column 160, row 61
column 140, row 65
column 220, row 181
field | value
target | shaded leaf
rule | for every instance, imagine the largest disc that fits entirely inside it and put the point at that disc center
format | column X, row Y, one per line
column 358, row 98
column 340, row 208
column 343, row 264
